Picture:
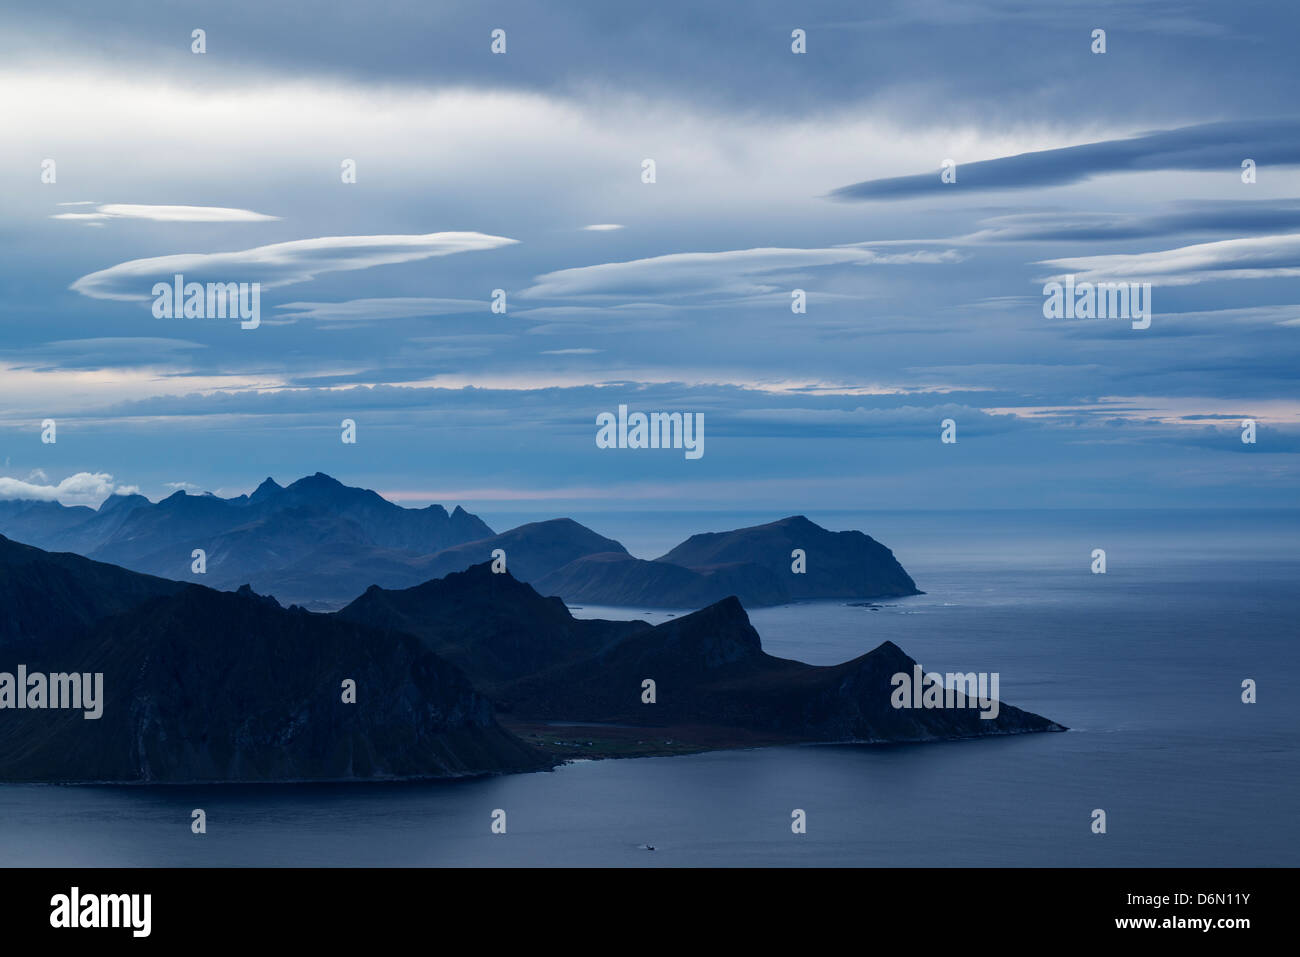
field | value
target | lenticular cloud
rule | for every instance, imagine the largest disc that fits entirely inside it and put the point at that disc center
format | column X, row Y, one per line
column 280, row 264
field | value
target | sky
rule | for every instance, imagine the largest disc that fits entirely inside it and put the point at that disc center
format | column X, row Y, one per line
column 774, row 171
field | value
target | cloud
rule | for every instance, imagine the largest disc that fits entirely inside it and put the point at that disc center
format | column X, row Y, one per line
column 603, row 227
column 630, row 312
column 1209, row 146
column 390, row 308
column 745, row 139
column 168, row 214
column 279, row 264
column 83, row 488
column 1256, row 257
column 861, row 52
column 102, row 352
column 1204, row 216
column 739, row 272
column 1188, row 410
column 859, row 422
column 1159, row 17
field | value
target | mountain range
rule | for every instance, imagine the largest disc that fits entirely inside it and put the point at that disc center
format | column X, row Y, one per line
column 468, row 674
column 540, row 664
column 320, row 543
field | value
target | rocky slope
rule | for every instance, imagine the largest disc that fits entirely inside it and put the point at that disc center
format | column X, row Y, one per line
column 201, row 685
column 492, row 626
column 709, row 669
column 541, row 665
column 51, row 599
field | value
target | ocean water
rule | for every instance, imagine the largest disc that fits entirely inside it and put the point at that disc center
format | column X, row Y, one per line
column 1144, row 664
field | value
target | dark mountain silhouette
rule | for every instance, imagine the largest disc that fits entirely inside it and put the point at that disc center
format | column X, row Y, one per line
column 709, row 669
column 201, row 685
column 541, row 664
column 51, row 598
column 496, row 628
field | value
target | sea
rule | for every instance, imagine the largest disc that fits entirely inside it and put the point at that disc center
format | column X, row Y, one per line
column 1145, row 665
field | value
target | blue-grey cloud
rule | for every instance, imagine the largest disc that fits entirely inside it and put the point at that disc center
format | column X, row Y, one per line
column 724, row 57
column 1208, row 146
column 681, row 309
column 397, row 307
column 100, row 353
column 739, row 272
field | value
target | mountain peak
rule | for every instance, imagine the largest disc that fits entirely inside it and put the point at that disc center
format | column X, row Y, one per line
column 723, row 628
column 321, row 487
column 246, row 591
column 264, row 491
column 120, row 502
column 318, row 478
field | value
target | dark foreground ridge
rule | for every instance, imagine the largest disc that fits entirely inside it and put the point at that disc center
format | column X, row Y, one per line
column 715, row 686
column 207, row 686
column 201, row 685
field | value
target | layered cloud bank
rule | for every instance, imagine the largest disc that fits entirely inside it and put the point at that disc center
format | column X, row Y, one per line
column 797, row 269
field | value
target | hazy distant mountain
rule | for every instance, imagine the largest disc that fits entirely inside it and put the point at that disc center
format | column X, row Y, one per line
column 838, row 564
column 314, row 540
column 320, row 543
column 611, row 578
column 753, row 564
column 532, row 550
column 41, row 523
column 201, row 685
column 332, row 570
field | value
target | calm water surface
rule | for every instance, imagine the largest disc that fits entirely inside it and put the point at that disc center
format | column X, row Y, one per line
column 1144, row 664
